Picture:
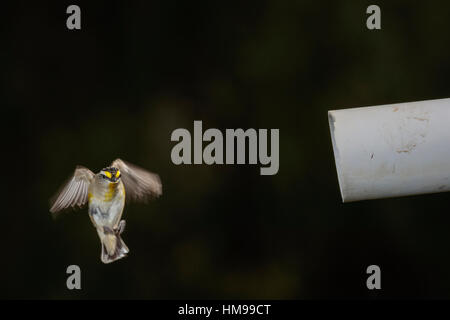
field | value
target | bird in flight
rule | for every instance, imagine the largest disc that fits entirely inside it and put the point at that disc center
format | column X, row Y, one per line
column 105, row 193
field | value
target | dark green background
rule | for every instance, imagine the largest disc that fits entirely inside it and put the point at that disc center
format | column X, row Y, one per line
column 137, row 71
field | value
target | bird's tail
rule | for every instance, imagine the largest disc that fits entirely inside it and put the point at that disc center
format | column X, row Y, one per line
column 113, row 247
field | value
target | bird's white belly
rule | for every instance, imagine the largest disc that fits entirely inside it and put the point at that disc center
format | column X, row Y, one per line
column 106, row 213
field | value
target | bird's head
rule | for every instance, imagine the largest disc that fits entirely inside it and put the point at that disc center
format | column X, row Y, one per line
column 110, row 174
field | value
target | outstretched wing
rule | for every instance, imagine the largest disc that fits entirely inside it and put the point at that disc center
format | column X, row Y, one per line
column 74, row 192
column 139, row 183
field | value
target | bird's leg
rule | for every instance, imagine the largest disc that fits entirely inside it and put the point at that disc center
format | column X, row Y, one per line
column 121, row 227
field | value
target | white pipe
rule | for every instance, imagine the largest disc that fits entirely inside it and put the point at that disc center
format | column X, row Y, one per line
column 392, row 150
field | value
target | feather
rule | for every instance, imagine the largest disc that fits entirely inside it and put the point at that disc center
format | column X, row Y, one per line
column 140, row 184
column 74, row 191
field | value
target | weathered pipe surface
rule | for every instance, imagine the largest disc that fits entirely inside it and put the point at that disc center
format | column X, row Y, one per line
column 392, row 150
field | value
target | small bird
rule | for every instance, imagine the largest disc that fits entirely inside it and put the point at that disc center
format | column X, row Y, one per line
column 105, row 193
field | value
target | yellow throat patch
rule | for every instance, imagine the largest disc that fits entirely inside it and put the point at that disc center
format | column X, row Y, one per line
column 111, row 191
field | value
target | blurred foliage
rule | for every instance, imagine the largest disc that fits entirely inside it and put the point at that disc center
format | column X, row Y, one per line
column 137, row 71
